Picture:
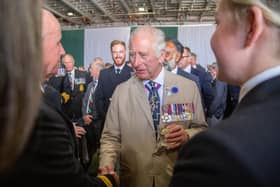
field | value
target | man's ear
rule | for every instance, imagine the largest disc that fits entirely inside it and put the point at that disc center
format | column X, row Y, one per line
column 255, row 25
column 162, row 56
column 178, row 56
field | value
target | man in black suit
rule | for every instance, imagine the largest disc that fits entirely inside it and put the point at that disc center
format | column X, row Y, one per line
column 232, row 99
column 110, row 78
column 90, row 118
column 49, row 157
column 216, row 110
column 205, row 79
column 242, row 150
column 173, row 54
column 76, row 85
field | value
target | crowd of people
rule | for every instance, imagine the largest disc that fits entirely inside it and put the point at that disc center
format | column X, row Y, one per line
column 157, row 119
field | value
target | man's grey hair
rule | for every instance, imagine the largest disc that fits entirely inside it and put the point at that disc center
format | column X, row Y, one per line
column 159, row 37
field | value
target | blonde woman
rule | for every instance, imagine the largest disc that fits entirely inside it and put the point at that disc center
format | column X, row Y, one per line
column 244, row 149
column 20, row 44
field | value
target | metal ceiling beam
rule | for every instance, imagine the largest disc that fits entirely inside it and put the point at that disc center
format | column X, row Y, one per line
column 152, row 6
column 207, row 3
column 179, row 10
column 78, row 10
column 124, row 4
column 60, row 15
column 112, row 18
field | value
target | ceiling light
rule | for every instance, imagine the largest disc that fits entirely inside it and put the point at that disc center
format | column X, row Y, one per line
column 70, row 14
column 141, row 9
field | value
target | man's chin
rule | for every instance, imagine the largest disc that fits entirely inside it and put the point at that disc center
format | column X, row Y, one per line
column 141, row 75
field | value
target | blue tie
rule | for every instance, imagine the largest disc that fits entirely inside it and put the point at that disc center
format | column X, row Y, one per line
column 154, row 101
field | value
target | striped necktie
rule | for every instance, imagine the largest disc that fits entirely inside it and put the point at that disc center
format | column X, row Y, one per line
column 154, row 101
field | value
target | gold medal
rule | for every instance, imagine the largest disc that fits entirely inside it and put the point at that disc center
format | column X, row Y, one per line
column 82, row 88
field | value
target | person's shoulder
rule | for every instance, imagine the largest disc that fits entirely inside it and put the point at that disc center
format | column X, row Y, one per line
column 179, row 79
column 128, row 67
column 49, row 118
column 106, row 71
column 187, row 75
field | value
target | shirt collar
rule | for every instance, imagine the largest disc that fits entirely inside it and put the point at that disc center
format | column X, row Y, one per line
column 259, row 78
column 159, row 79
column 188, row 69
column 175, row 70
column 119, row 67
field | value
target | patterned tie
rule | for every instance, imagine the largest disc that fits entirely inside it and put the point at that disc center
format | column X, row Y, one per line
column 90, row 101
column 154, row 101
column 118, row 71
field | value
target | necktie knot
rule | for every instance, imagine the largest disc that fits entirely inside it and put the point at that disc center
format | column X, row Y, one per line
column 153, row 86
column 118, row 71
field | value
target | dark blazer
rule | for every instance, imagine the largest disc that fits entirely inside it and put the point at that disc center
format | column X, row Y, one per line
column 218, row 105
column 232, row 99
column 73, row 107
column 49, row 159
column 242, row 150
column 94, row 129
column 107, row 82
column 53, row 95
column 207, row 93
column 190, row 77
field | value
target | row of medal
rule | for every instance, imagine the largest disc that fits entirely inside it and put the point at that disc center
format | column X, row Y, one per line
column 177, row 112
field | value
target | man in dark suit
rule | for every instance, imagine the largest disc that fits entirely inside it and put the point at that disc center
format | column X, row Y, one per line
column 49, row 157
column 90, row 118
column 194, row 63
column 216, row 110
column 243, row 149
column 76, row 85
column 110, row 78
column 173, row 54
column 232, row 99
column 205, row 79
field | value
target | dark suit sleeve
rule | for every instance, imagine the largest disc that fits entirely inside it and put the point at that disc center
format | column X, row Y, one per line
column 207, row 92
column 208, row 160
column 50, row 159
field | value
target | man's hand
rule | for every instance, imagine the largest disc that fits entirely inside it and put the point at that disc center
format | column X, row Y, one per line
column 176, row 136
column 109, row 170
column 106, row 170
column 79, row 131
column 87, row 119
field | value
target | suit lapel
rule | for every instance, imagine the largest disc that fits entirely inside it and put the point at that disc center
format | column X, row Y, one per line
column 168, row 83
column 142, row 100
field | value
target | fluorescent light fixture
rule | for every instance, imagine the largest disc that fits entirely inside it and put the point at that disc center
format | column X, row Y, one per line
column 70, row 14
column 141, row 9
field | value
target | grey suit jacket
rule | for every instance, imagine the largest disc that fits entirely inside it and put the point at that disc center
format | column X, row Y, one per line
column 130, row 135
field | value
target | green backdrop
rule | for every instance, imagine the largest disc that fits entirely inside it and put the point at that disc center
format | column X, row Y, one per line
column 73, row 43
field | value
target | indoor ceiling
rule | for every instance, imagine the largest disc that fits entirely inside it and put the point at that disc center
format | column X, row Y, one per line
column 115, row 13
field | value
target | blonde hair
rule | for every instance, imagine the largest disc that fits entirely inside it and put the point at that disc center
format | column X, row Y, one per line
column 20, row 57
column 117, row 42
column 271, row 8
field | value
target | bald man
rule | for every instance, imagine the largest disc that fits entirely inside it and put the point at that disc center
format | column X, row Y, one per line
column 49, row 158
